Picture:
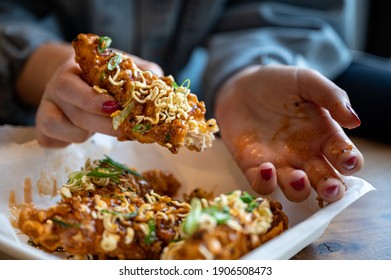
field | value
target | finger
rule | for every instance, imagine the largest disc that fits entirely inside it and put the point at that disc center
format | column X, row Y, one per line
column 49, row 142
column 263, row 178
column 73, row 90
column 331, row 189
column 323, row 178
column 343, row 154
column 88, row 121
column 293, row 183
column 54, row 129
column 318, row 89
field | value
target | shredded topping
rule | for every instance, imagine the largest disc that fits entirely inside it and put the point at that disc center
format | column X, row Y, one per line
column 108, row 210
column 170, row 103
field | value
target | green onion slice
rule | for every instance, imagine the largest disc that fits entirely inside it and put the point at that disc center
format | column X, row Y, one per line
column 64, row 224
column 101, row 172
column 220, row 215
column 142, row 128
column 126, row 216
column 250, row 200
column 103, row 43
column 151, row 236
column 190, row 223
column 76, row 175
column 185, row 84
column 246, row 197
column 114, row 61
column 167, row 138
column 174, row 85
column 252, row 206
column 116, row 165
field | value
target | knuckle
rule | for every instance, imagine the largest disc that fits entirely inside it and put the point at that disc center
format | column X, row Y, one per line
column 48, row 125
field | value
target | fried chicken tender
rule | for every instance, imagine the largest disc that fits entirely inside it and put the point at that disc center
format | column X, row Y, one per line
column 228, row 227
column 153, row 109
column 108, row 213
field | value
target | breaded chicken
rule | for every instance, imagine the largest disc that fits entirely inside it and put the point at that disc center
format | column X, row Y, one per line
column 153, row 109
column 108, row 211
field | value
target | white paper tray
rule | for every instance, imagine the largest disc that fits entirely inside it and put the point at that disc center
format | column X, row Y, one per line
column 212, row 169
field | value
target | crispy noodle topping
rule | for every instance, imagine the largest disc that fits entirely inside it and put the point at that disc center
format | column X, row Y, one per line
column 153, row 109
column 109, row 211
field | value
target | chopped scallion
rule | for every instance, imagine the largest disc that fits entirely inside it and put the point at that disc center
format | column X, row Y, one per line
column 185, row 84
column 119, row 166
column 250, row 200
column 126, row 216
column 252, row 205
column 174, row 85
column 103, row 43
column 76, row 175
column 114, row 61
column 167, row 138
column 220, row 215
column 142, row 128
column 64, row 224
column 190, row 224
column 246, row 197
column 151, row 236
column 101, row 172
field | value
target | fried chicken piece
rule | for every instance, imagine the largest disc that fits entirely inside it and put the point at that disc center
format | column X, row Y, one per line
column 228, row 227
column 108, row 213
column 153, row 109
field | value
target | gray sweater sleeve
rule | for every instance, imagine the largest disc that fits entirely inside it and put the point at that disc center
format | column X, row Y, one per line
column 21, row 31
column 272, row 33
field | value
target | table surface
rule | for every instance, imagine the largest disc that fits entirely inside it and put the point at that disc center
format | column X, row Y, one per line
column 363, row 230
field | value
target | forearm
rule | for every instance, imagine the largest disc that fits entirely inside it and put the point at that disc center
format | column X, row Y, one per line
column 38, row 69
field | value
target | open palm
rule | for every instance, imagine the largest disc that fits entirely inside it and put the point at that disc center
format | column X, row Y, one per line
column 283, row 127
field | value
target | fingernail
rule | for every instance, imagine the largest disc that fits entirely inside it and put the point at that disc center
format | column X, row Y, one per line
column 298, row 185
column 350, row 109
column 110, row 106
column 350, row 163
column 331, row 191
column 266, row 174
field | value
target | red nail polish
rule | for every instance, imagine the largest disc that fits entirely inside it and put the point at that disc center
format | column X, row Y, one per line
column 331, row 191
column 110, row 107
column 266, row 174
column 298, row 185
column 350, row 163
column 350, row 109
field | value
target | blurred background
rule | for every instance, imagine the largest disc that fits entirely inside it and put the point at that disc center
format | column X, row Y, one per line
column 378, row 28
